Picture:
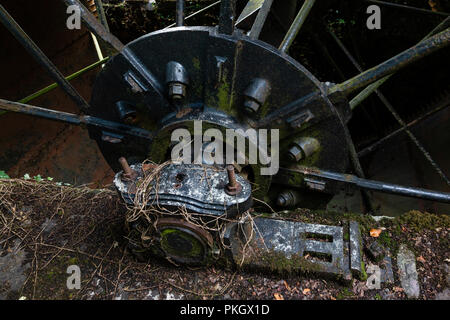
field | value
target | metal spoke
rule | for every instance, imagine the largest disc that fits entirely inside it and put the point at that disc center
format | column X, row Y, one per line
column 40, row 57
column 55, row 85
column 407, row 57
column 402, row 6
column 260, row 19
column 100, row 31
column 101, row 13
column 180, row 13
column 371, row 88
column 397, row 117
column 296, row 25
column 284, row 174
column 96, row 7
column 392, row 65
column 250, row 8
column 357, row 168
column 377, row 144
column 194, row 14
column 96, row 27
column 227, row 16
column 74, row 119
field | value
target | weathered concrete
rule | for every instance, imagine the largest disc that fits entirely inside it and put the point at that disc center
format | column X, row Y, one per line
column 387, row 275
column 12, row 271
column 376, row 251
column 322, row 245
column 406, row 263
column 444, row 295
column 355, row 249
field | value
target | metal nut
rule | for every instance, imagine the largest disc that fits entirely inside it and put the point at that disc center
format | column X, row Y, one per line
column 256, row 95
column 303, row 148
column 251, row 106
column 177, row 90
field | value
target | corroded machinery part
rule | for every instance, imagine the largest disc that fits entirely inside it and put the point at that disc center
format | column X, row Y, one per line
column 184, row 242
column 212, row 195
column 174, row 239
column 197, row 189
column 215, row 78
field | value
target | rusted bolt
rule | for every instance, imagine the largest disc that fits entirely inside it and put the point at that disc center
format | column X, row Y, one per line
column 251, row 106
column 233, row 187
column 128, row 173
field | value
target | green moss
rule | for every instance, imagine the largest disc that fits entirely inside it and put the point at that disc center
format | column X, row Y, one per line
column 418, row 221
column 311, row 160
column 277, row 262
column 51, row 282
column 50, row 274
column 385, row 239
column 196, row 63
column 196, row 249
column 345, row 294
column 365, row 222
column 346, row 236
column 223, row 97
column 363, row 276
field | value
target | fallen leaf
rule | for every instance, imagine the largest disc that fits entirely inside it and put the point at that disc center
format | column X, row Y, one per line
column 278, row 296
column 375, row 233
column 397, row 289
column 286, row 285
column 306, row 291
column 421, row 259
column 332, row 298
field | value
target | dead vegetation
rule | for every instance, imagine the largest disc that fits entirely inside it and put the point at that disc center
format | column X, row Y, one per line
column 44, row 228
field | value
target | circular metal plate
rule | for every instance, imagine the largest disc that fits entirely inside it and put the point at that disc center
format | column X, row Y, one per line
column 220, row 69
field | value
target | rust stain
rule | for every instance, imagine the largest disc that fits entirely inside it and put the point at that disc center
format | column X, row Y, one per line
column 183, row 112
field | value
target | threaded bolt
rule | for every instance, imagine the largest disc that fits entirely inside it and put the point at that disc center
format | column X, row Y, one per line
column 128, row 173
column 233, row 187
column 288, row 198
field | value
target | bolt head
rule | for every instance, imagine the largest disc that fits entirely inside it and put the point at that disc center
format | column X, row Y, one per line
column 177, row 90
column 295, row 153
column 281, row 201
column 251, row 106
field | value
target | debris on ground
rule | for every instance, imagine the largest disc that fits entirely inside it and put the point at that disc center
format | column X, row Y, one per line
column 45, row 228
